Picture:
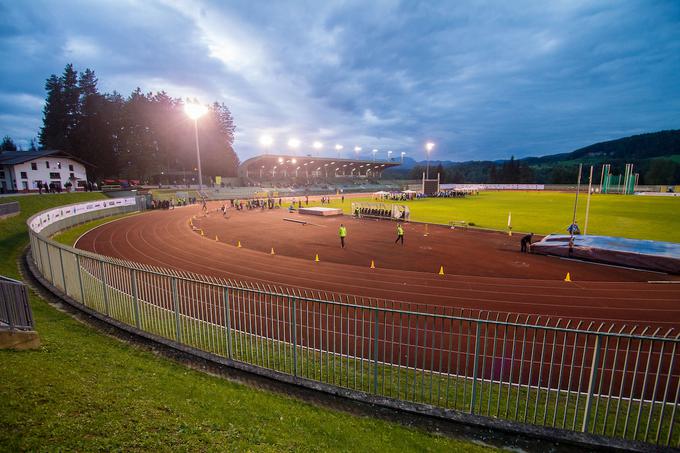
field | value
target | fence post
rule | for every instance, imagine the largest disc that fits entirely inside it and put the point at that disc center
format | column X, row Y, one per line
column 473, row 393
column 375, row 352
column 227, row 310
column 591, row 382
column 37, row 260
column 49, row 262
column 80, row 280
column 63, row 272
column 106, row 293
column 133, row 277
column 294, row 320
column 175, row 306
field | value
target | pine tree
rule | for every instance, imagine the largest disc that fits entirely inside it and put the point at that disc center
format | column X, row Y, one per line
column 53, row 132
column 71, row 100
column 8, row 144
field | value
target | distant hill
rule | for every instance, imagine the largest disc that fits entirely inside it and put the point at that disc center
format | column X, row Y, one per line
column 643, row 146
column 656, row 157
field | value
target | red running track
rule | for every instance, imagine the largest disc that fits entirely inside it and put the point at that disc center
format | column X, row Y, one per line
column 484, row 271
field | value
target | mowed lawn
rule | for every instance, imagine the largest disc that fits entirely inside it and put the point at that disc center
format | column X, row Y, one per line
column 638, row 217
column 85, row 391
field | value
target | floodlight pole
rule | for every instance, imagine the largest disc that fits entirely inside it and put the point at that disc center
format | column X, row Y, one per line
column 590, row 186
column 578, row 188
column 198, row 157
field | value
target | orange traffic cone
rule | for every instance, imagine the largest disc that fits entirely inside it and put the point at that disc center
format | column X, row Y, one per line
column 441, row 270
column 372, row 264
column 316, row 259
column 238, row 245
column 567, row 278
column 272, row 252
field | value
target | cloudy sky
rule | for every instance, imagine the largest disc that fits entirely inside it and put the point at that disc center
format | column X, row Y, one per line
column 483, row 80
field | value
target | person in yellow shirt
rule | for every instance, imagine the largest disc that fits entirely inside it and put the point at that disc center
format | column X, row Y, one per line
column 400, row 234
column 342, row 232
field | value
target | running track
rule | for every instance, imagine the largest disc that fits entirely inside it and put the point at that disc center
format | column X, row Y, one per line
column 484, row 272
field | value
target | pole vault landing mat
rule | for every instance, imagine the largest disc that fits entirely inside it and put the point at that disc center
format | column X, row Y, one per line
column 637, row 253
column 320, row 211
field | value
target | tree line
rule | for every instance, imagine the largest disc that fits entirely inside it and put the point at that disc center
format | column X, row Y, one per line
column 653, row 171
column 135, row 137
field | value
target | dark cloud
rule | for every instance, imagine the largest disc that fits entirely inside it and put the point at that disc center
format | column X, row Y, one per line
column 481, row 79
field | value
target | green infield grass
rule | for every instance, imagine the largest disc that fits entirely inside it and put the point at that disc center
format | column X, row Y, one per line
column 85, row 391
column 637, row 217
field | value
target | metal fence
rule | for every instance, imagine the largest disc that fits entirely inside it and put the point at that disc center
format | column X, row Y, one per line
column 15, row 312
column 607, row 380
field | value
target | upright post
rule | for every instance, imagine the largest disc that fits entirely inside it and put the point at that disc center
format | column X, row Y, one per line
column 175, row 307
column 590, row 186
column 106, row 293
column 591, row 383
column 80, row 280
column 578, row 188
column 294, row 320
column 133, row 278
column 473, row 393
column 227, row 311
column 375, row 352
column 63, row 273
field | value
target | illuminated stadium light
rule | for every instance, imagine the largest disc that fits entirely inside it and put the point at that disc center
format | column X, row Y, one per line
column 293, row 143
column 194, row 110
column 374, row 153
column 389, row 153
column 266, row 140
column 294, row 161
column 317, row 145
column 402, row 156
column 429, row 146
column 357, row 149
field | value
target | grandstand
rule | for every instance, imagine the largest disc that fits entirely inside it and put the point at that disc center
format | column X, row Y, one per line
column 277, row 170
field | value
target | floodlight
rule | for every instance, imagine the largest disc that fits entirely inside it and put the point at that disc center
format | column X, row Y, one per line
column 266, row 140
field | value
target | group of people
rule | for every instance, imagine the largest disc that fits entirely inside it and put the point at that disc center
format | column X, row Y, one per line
column 373, row 212
column 171, row 203
column 342, row 233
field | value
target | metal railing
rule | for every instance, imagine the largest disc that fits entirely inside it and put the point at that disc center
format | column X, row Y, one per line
column 15, row 312
column 608, row 380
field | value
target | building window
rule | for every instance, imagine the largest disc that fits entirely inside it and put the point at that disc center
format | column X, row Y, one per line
column 24, row 185
column 24, row 175
column 34, row 165
column 47, row 164
column 72, row 176
column 55, row 176
column 59, row 165
column 70, row 168
column 2, row 175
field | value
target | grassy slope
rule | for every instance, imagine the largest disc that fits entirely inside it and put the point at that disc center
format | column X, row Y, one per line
column 639, row 217
column 85, row 391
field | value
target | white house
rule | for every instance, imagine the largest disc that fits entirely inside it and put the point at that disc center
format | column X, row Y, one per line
column 20, row 171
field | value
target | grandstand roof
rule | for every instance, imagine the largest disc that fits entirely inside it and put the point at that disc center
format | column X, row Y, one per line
column 272, row 161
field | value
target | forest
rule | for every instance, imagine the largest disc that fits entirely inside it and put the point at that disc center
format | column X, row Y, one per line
column 138, row 136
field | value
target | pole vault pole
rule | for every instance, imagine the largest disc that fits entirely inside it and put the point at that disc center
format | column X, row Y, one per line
column 590, row 186
column 578, row 188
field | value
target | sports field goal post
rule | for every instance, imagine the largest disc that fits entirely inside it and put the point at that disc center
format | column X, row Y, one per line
column 430, row 186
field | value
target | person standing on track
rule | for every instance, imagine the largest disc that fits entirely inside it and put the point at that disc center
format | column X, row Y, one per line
column 526, row 240
column 342, row 232
column 400, row 234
